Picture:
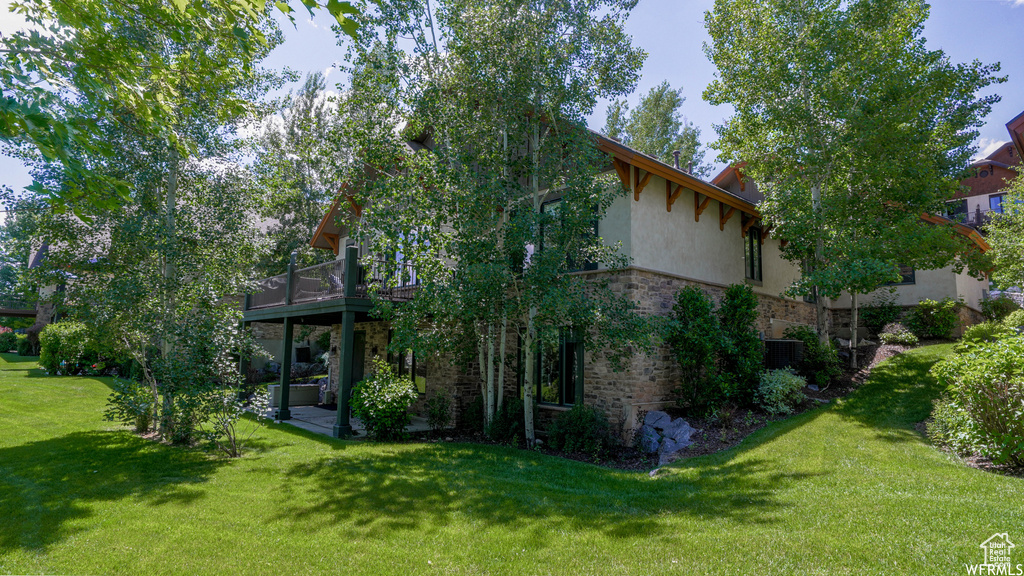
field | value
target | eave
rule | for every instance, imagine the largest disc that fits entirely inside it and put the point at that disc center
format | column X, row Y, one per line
column 1016, row 129
column 960, row 228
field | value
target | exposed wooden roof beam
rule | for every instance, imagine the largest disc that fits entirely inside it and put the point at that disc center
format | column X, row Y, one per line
column 724, row 216
column 622, row 169
column 765, row 232
column 698, row 206
column 641, row 183
column 332, row 239
column 749, row 224
column 671, row 195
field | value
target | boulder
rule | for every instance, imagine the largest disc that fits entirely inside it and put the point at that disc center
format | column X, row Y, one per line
column 657, row 419
column 648, row 439
column 679, row 430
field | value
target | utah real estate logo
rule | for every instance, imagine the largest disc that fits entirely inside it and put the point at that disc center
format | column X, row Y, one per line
column 998, row 561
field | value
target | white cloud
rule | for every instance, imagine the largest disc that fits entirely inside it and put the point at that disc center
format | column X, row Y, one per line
column 987, row 146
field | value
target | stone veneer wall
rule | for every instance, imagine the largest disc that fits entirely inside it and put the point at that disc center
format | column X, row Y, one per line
column 648, row 381
column 269, row 335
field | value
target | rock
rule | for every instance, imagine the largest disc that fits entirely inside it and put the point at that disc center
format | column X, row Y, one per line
column 679, row 430
column 648, row 439
column 843, row 342
column 813, row 387
column 655, row 472
column 657, row 419
column 538, row 442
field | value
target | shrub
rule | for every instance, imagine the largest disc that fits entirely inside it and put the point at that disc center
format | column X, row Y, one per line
column 882, row 310
column 742, row 354
column 62, row 347
column 131, row 403
column 581, row 430
column 323, row 341
column 950, row 426
column 8, row 339
column 26, row 347
column 695, row 336
column 1014, row 320
column 227, row 425
column 779, row 391
column 508, row 425
column 935, row 319
column 996, row 309
column 985, row 332
column 897, row 334
column 820, row 363
column 382, row 402
column 439, row 412
column 986, row 385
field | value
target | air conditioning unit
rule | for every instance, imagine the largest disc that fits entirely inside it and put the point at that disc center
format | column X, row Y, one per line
column 779, row 353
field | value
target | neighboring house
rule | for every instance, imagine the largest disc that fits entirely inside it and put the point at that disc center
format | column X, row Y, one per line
column 677, row 231
column 915, row 285
column 983, row 196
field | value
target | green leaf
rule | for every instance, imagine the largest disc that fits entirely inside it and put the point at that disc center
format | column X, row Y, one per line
column 180, row 4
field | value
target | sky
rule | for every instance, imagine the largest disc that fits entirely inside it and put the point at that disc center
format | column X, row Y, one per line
column 672, row 33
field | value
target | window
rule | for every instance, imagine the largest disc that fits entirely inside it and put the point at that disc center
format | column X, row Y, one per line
column 995, row 203
column 752, row 254
column 409, row 365
column 558, row 372
column 907, row 276
column 957, row 210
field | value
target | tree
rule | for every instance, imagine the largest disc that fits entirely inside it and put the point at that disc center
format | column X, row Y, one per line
column 853, row 129
column 656, row 128
column 493, row 101
column 297, row 163
column 75, row 52
column 157, row 276
column 1006, row 235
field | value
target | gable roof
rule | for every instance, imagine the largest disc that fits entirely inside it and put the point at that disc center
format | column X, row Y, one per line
column 1016, row 129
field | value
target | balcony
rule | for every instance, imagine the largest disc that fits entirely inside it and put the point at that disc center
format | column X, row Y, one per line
column 326, row 283
column 976, row 219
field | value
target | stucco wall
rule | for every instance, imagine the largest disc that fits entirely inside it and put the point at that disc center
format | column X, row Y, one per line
column 676, row 244
column 930, row 284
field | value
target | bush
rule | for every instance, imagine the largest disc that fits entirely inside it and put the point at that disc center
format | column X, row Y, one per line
column 472, row 419
column 508, row 425
column 779, row 391
column 26, row 347
column 695, row 336
column 996, row 309
column 985, row 332
column 323, row 341
column 439, row 412
column 950, row 426
column 1014, row 320
column 581, row 430
column 820, row 363
column 131, row 403
column 742, row 355
column 62, row 347
column 898, row 335
column 227, row 423
column 882, row 310
column 382, row 402
column 935, row 319
column 8, row 339
column 986, row 386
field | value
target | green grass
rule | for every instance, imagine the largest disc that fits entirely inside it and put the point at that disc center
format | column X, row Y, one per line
column 847, row 489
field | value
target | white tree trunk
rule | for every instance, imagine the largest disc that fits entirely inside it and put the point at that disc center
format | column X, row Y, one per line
column 490, row 372
column 501, row 361
column 529, row 380
column 853, row 330
column 819, row 255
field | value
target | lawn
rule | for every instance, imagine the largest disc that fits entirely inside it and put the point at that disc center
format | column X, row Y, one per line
column 850, row 488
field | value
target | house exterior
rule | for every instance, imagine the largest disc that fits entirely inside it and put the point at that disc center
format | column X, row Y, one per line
column 676, row 229
column 983, row 189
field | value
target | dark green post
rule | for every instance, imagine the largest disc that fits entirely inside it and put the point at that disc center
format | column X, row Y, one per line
column 283, row 413
column 342, row 426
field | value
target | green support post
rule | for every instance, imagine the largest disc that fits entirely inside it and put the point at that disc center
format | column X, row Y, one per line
column 283, row 413
column 342, row 426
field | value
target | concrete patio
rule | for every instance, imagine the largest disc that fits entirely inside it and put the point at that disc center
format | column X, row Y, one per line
column 321, row 421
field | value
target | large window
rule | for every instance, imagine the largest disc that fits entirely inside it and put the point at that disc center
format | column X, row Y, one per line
column 558, row 372
column 995, row 203
column 907, row 276
column 752, row 254
column 409, row 365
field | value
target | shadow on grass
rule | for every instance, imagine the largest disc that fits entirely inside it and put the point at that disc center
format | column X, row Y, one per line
column 412, row 488
column 898, row 395
column 15, row 359
column 46, row 486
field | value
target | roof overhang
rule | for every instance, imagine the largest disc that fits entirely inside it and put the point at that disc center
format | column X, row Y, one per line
column 1016, row 129
column 329, row 233
column 967, row 231
column 652, row 166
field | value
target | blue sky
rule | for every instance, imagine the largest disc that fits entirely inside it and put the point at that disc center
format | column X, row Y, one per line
column 672, row 32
